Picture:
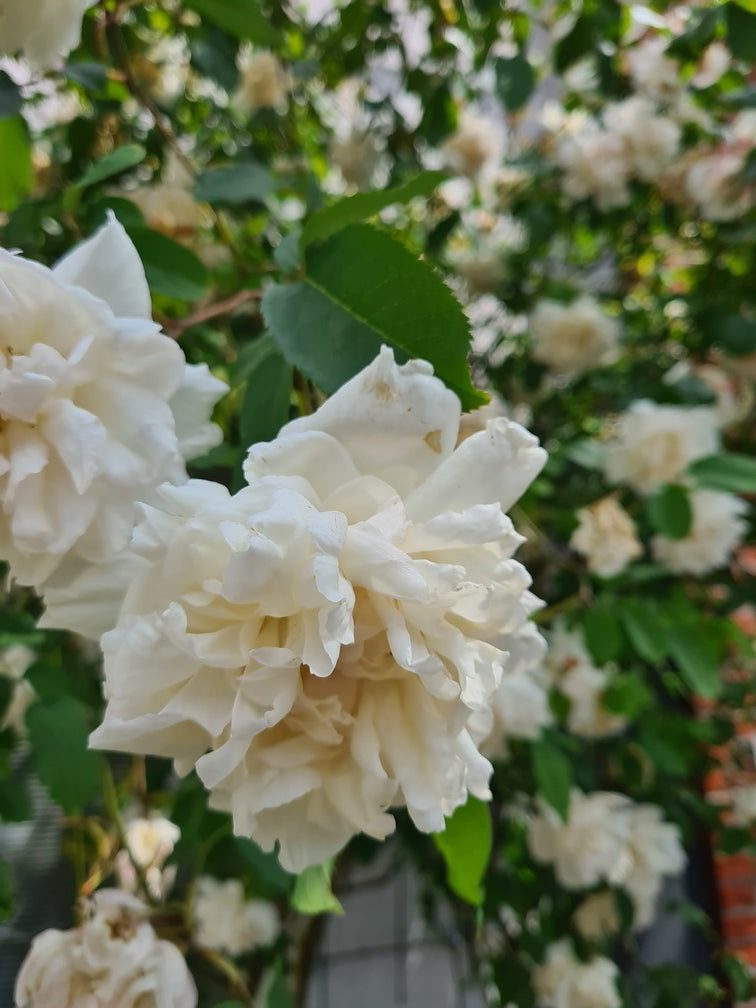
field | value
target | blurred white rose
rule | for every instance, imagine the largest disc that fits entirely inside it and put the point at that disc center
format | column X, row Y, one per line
column 718, row 526
column 44, row 31
column 224, row 920
column 713, row 182
column 652, row 72
column 263, row 83
column 564, row 981
column 14, row 661
column 597, row 917
column 652, row 141
column 654, row 851
column 655, row 444
column 88, row 421
column 328, row 630
column 113, row 960
column 595, row 164
column 571, row 339
column 476, row 146
column 150, row 841
column 743, row 798
column 606, row 537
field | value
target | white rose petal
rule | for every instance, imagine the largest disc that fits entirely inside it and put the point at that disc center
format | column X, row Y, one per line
column 318, row 642
column 43, row 30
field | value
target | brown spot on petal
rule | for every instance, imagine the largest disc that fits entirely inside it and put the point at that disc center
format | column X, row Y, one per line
column 433, row 440
column 382, row 390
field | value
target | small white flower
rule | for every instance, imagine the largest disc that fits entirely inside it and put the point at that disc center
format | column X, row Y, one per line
column 224, row 920
column 356, row 156
column 150, row 841
column 571, row 339
column 606, row 537
column 263, row 83
column 718, row 526
column 476, row 145
column 653, row 73
column 43, row 30
column 597, row 916
column 572, row 670
column 87, row 384
column 595, row 164
column 564, row 981
column 651, row 140
column 14, row 661
column 655, row 444
column 114, row 959
column 328, row 631
column 713, row 182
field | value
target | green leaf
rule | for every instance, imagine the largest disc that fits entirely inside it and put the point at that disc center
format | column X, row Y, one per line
column 741, row 31
column 267, row 400
column 170, row 268
column 669, row 512
column 312, row 891
column 237, row 183
column 117, row 161
column 6, row 891
column 58, row 734
column 690, row 44
column 465, row 846
column 360, row 206
column 585, row 452
column 264, row 865
column 10, row 97
column 734, row 332
column 286, row 253
column 15, row 804
column 626, row 695
column 698, row 656
column 602, row 633
column 578, row 42
column 241, row 18
column 7, row 687
column 515, row 80
column 403, row 304
column 278, row 994
column 553, row 774
column 732, row 473
column 89, row 76
column 16, row 170
column 644, row 628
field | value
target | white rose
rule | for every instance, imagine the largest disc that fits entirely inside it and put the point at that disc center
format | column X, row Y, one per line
column 14, row 661
column 43, row 30
column 571, row 339
column 713, row 182
column 597, row 916
column 591, row 846
column 475, row 146
column 718, row 526
column 328, row 630
column 263, row 83
column 356, row 156
column 168, row 204
column 572, row 670
column 743, row 798
column 652, row 141
column 595, row 164
column 564, row 981
column 227, row 922
column 655, row 444
column 88, row 424
column 114, row 959
column 654, row 851
column 150, row 841
column 606, row 537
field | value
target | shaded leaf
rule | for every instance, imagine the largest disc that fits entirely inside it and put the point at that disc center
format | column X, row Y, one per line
column 16, row 170
column 741, row 31
column 116, row 161
column 698, row 657
column 10, row 96
column 170, row 268
column 267, row 400
column 244, row 20
column 644, row 628
column 669, row 511
column 515, row 80
column 732, row 472
column 237, row 183
column 602, row 633
column 58, row 734
column 553, row 774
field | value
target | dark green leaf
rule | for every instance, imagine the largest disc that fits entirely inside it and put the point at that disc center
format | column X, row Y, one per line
column 278, row 994
column 741, row 31
column 244, row 19
column 171, row 269
column 360, row 206
column 267, row 400
column 734, row 332
column 16, row 170
column 264, row 865
column 117, row 161
column 312, row 891
column 602, row 633
column 10, row 97
column 237, row 183
column 286, row 253
column 403, row 304
column 626, row 695
column 515, row 80
column 578, row 42
column 645, row 630
column 690, row 44
column 733, row 473
column 15, row 805
column 698, row 656
column 553, row 774
column 6, row 891
column 58, row 734
column 465, row 846
column 7, row 688
column 668, row 510
column 90, row 76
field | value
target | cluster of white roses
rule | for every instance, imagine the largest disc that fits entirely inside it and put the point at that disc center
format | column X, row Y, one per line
column 608, row 839
column 564, row 981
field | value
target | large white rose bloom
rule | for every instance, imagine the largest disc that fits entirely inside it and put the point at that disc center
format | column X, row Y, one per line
column 43, row 30
column 328, row 631
column 263, row 83
column 571, row 669
column 564, row 981
column 606, row 537
column 113, row 960
column 718, row 526
column 655, row 444
column 571, row 339
column 589, row 847
column 227, row 922
column 88, row 389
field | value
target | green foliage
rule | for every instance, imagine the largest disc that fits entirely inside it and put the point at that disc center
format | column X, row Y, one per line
column 245, row 21
column 515, row 80
column 58, row 732
column 553, row 773
column 669, row 512
column 16, row 172
column 238, row 183
column 312, row 893
column 465, row 845
column 732, row 472
column 119, row 160
column 6, row 891
column 171, row 269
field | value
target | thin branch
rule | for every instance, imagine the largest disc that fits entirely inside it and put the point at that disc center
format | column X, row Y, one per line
column 176, row 327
